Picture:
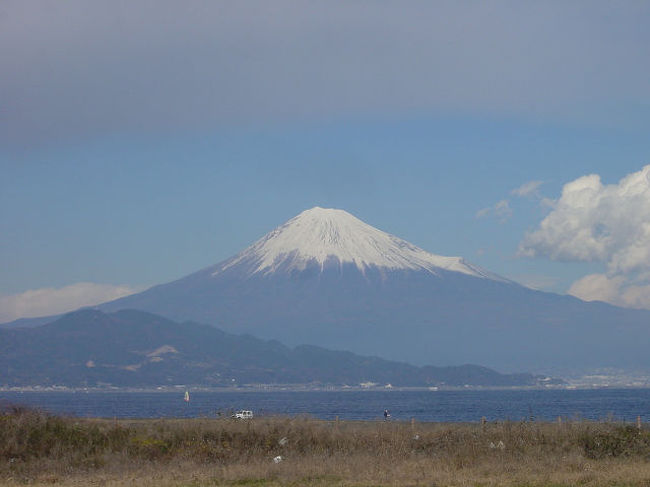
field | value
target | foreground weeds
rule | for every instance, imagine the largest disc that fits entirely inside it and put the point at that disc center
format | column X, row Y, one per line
column 41, row 449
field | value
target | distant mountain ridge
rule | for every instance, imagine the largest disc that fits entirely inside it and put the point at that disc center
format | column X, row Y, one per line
column 136, row 349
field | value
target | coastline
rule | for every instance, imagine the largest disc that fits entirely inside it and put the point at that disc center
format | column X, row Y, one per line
column 311, row 388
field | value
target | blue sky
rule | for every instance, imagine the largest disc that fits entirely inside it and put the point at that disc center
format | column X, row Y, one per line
column 141, row 141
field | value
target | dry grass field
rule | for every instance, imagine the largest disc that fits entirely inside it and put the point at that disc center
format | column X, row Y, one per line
column 40, row 449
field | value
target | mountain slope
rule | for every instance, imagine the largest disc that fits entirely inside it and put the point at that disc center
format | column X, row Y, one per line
column 133, row 348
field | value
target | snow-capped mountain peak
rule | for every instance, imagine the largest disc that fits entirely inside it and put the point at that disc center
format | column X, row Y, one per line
column 321, row 235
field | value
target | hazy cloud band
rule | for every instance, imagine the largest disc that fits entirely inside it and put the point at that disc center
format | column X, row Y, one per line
column 50, row 301
column 76, row 68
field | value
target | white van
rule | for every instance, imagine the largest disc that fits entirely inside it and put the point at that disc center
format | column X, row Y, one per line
column 243, row 415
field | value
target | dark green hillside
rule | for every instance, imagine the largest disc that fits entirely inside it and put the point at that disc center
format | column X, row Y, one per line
column 135, row 348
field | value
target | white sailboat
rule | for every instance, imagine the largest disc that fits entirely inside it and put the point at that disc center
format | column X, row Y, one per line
column 187, row 396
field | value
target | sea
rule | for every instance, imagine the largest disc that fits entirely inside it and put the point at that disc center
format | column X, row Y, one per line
column 438, row 406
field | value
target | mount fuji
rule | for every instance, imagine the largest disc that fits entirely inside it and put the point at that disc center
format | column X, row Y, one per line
column 326, row 278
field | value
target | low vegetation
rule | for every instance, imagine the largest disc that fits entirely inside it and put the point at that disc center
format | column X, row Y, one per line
column 41, row 449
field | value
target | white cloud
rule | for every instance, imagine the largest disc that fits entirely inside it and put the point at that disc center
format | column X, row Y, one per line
column 529, row 189
column 547, row 203
column 595, row 222
column 598, row 287
column 636, row 296
column 49, row 301
column 500, row 210
column 615, row 290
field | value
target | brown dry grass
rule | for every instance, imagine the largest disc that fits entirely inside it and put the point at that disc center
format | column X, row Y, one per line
column 39, row 449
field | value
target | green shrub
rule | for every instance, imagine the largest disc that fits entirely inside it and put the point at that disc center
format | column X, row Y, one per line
column 621, row 441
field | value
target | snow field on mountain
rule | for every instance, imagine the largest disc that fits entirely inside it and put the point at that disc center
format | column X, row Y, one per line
column 320, row 234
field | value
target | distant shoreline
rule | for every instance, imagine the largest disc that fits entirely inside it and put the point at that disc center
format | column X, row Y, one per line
column 300, row 388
